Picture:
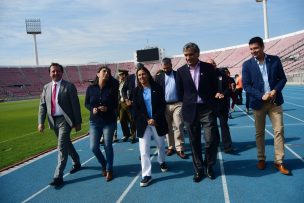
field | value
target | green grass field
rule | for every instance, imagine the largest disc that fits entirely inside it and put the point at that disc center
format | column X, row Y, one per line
column 19, row 138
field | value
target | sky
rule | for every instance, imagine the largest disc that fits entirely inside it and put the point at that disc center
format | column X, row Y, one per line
column 106, row 31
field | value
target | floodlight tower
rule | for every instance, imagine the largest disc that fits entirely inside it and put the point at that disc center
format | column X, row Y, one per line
column 33, row 27
column 265, row 17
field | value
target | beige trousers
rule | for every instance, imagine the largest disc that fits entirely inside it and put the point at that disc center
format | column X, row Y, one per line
column 175, row 136
column 275, row 114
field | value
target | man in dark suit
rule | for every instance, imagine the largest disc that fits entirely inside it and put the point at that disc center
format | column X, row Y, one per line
column 197, row 87
column 263, row 81
column 175, row 136
column 60, row 104
column 222, row 105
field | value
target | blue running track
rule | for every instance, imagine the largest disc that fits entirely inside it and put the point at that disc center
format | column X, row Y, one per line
column 237, row 178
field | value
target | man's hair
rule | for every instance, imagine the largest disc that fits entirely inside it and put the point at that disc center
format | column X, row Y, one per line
column 257, row 40
column 57, row 65
column 192, row 46
column 166, row 61
column 139, row 65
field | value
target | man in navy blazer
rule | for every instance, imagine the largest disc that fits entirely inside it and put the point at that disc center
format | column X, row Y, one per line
column 60, row 104
column 196, row 84
column 263, row 80
column 175, row 136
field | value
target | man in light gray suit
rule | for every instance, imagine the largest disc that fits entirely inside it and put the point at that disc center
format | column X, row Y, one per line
column 59, row 102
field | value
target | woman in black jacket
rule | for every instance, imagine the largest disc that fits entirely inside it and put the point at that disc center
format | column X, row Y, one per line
column 102, row 100
column 149, row 112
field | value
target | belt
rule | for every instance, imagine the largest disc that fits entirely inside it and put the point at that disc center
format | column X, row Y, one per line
column 58, row 116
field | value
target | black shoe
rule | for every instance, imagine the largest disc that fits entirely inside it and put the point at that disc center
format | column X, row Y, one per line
column 163, row 167
column 229, row 150
column 133, row 141
column 75, row 168
column 56, row 182
column 210, row 173
column 198, row 177
column 145, row 181
column 124, row 139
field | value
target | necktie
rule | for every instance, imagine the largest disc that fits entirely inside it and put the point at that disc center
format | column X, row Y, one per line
column 53, row 102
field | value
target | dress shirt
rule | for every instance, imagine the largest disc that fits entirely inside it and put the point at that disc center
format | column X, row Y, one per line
column 195, row 74
column 58, row 109
column 263, row 69
column 170, row 88
column 148, row 101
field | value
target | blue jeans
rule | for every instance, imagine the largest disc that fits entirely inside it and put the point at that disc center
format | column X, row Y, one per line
column 96, row 131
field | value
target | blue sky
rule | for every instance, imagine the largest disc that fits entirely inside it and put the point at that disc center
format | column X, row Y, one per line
column 84, row 31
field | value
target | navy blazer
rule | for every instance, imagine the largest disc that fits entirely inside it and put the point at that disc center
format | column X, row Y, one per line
column 253, row 80
column 158, row 110
column 187, row 92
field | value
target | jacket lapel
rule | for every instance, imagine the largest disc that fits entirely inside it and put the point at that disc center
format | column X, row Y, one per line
column 256, row 69
column 268, row 66
column 188, row 75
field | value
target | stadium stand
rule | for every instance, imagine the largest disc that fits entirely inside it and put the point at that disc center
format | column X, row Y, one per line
column 18, row 82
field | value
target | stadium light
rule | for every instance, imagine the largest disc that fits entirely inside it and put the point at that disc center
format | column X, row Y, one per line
column 265, row 17
column 33, row 27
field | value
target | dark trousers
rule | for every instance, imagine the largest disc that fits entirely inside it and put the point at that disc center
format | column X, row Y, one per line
column 247, row 100
column 207, row 118
column 239, row 92
column 225, row 131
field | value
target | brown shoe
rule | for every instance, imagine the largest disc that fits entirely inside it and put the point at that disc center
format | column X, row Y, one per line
column 109, row 176
column 261, row 165
column 170, row 152
column 104, row 172
column 281, row 168
column 181, row 154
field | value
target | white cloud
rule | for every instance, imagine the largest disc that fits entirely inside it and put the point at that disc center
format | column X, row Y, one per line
column 88, row 30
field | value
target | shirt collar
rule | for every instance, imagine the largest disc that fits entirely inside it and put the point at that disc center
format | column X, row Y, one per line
column 194, row 67
column 256, row 60
column 58, row 82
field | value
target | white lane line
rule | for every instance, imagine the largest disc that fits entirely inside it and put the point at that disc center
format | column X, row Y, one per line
column 124, row 194
column 289, row 149
column 33, row 160
column 293, row 97
column 293, row 117
column 224, row 181
column 46, row 187
column 31, row 133
column 16, row 138
column 269, row 125
column 294, row 104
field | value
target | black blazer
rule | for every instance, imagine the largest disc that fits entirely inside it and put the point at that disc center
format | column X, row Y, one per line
column 224, row 88
column 158, row 110
column 187, row 91
column 160, row 79
column 109, row 98
column 128, row 87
